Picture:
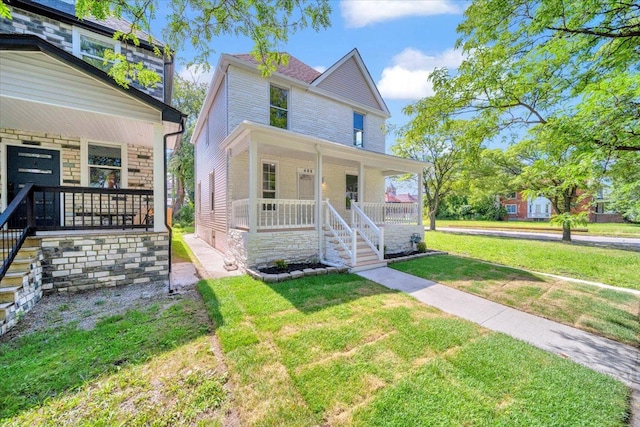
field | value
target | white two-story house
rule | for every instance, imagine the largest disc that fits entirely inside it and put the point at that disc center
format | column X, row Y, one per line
column 293, row 166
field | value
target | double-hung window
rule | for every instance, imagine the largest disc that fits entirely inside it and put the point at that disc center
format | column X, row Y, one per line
column 269, row 177
column 279, row 107
column 91, row 48
column 358, row 129
column 511, row 209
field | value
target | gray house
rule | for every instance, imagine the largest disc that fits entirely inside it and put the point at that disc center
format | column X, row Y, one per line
column 293, row 166
column 82, row 160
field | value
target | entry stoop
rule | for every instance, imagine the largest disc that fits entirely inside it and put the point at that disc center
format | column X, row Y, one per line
column 21, row 287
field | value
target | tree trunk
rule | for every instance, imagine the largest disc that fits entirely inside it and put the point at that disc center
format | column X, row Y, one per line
column 566, row 232
column 179, row 200
column 432, row 220
column 566, row 227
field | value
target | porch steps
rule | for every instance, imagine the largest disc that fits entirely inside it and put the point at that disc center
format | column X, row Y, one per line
column 366, row 258
column 20, row 287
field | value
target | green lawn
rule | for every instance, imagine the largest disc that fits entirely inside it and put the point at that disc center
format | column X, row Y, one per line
column 341, row 350
column 180, row 251
column 151, row 366
column 613, row 267
column 605, row 312
column 606, row 229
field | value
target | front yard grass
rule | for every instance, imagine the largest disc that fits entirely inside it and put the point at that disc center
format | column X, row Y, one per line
column 594, row 229
column 341, row 350
column 150, row 366
column 611, row 266
column 609, row 313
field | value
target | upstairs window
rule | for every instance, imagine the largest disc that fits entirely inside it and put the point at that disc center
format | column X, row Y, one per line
column 91, row 48
column 278, row 107
column 358, row 129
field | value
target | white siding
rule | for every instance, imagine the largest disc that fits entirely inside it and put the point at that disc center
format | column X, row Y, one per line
column 349, row 82
column 212, row 225
column 309, row 113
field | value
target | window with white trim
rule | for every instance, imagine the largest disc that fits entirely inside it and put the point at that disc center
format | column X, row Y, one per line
column 511, row 209
column 269, row 183
column 358, row 129
column 212, row 190
column 278, row 107
column 105, row 165
column 91, row 47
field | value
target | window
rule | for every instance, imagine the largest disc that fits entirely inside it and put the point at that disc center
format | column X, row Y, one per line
column 212, row 190
column 105, row 165
column 511, row 209
column 278, row 107
column 199, row 197
column 358, row 129
column 268, row 184
column 91, row 48
column 510, row 195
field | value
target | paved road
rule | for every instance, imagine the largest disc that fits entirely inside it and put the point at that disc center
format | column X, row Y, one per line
column 619, row 242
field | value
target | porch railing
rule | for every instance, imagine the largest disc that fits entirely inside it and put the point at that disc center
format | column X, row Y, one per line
column 392, row 213
column 275, row 213
column 340, row 231
column 371, row 233
column 13, row 230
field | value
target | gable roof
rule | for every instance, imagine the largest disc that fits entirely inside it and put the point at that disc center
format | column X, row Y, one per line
column 295, row 69
column 19, row 42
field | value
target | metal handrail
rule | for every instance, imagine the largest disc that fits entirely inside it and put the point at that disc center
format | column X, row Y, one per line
column 12, row 238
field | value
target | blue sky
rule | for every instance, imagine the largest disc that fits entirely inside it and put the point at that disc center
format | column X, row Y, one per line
column 400, row 42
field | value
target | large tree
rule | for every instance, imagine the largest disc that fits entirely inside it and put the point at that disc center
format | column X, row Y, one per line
column 268, row 23
column 440, row 147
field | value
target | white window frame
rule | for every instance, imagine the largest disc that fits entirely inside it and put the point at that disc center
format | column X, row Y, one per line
column 515, row 208
column 277, row 191
column 79, row 32
column 84, row 160
column 288, row 109
column 212, row 190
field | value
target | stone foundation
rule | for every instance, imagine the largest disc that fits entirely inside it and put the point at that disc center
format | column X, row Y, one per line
column 90, row 261
column 397, row 237
column 263, row 248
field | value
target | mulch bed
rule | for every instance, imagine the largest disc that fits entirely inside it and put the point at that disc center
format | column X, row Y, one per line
column 404, row 254
column 291, row 267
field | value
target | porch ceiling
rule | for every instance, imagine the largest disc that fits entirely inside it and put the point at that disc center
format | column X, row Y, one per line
column 39, row 117
column 285, row 143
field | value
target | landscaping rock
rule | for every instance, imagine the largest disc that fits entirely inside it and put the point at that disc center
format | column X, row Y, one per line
column 296, row 274
column 309, row 271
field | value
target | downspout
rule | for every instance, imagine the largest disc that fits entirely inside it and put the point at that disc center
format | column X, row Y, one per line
column 166, row 221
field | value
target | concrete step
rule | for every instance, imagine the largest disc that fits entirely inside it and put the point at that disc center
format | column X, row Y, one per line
column 13, row 278
column 9, row 294
column 5, row 307
column 29, row 251
column 362, row 266
column 21, row 263
column 32, row 242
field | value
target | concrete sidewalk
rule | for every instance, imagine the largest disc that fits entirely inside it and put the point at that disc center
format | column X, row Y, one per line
column 621, row 361
column 629, row 243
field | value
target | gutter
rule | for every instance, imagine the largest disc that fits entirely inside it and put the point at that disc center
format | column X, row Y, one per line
column 166, row 222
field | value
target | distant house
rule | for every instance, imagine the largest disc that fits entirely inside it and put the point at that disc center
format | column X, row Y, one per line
column 82, row 170
column 519, row 208
column 391, row 196
column 293, row 166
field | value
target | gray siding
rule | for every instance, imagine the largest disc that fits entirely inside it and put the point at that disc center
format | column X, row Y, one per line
column 212, row 225
column 349, row 82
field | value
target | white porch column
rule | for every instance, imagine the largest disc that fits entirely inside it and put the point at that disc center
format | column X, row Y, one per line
column 159, row 177
column 420, row 202
column 361, row 184
column 319, row 211
column 253, row 186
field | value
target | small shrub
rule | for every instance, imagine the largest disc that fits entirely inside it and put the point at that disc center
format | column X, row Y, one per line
column 280, row 263
column 421, row 247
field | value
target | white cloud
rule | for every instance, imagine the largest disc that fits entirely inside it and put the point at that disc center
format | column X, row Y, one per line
column 320, row 68
column 407, row 77
column 360, row 13
column 196, row 73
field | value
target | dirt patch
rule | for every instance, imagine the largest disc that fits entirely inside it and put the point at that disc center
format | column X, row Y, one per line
column 84, row 309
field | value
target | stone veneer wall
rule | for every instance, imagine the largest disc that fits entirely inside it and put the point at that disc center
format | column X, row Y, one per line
column 91, row 261
column 262, row 249
column 397, row 237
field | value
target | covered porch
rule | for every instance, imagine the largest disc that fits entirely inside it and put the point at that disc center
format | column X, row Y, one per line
column 330, row 194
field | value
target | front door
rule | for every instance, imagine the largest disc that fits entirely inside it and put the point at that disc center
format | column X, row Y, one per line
column 40, row 167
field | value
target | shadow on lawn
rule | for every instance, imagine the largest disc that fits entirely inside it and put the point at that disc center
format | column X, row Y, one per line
column 453, row 268
column 48, row 364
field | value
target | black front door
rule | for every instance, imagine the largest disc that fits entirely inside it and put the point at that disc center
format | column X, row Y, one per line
column 40, row 167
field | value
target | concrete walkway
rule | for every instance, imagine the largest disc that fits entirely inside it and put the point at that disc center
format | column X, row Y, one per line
column 621, row 361
column 614, row 242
